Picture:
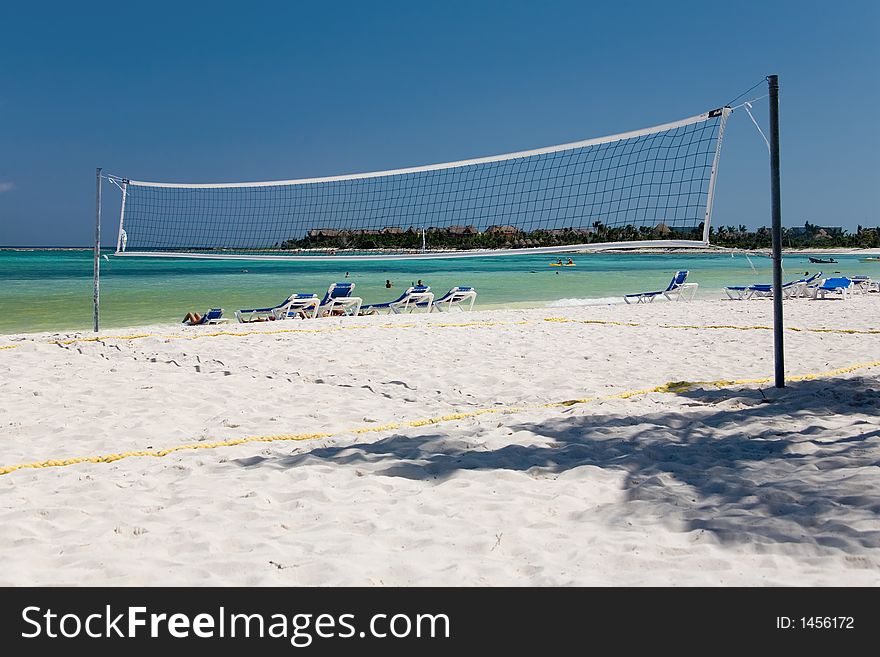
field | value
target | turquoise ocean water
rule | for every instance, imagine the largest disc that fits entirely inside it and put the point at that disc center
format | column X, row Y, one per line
column 51, row 290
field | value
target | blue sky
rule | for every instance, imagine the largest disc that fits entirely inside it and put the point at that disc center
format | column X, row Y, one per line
column 214, row 92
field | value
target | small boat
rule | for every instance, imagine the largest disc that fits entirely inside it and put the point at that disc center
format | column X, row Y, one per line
column 870, row 259
column 821, row 261
column 560, row 264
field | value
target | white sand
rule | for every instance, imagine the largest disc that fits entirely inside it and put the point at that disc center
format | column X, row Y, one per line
column 709, row 486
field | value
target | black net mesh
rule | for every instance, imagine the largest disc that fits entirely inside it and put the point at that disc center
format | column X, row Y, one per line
column 650, row 186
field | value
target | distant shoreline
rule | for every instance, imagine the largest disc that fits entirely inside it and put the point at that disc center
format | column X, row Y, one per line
column 844, row 250
column 849, row 250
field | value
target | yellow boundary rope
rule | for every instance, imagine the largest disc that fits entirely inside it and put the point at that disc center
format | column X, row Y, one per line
column 565, row 320
column 556, row 320
column 670, row 387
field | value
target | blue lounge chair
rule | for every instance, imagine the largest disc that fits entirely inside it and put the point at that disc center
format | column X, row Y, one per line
column 673, row 290
column 805, row 286
column 298, row 305
column 839, row 285
column 213, row 316
column 409, row 301
column 790, row 290
column 738, row 292
column 457, row 297
column 338, row 301
column 864, row 284
column 292, row 305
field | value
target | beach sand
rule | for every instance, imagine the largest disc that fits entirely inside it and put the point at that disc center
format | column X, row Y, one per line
column 740, row 484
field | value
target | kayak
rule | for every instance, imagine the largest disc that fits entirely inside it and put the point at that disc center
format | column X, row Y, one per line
column 556, row 264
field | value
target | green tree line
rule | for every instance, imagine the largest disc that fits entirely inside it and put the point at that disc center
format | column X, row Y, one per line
column 729, row 236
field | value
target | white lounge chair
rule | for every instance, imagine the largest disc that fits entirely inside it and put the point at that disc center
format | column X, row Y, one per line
column 839, row 285
column 457, row 297
column 675, row 291
column 790, row 290
column 410, row 301
column 292, row 305
column 738, row 292
column 808, row 283
column 298, row 305
column 864, row 284
column 338, row 298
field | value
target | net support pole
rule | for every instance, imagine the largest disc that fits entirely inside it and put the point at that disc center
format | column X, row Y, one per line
column 776, row 231
column 97, row 290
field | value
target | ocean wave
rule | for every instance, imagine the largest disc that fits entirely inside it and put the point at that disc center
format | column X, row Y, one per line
column 596, row 301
